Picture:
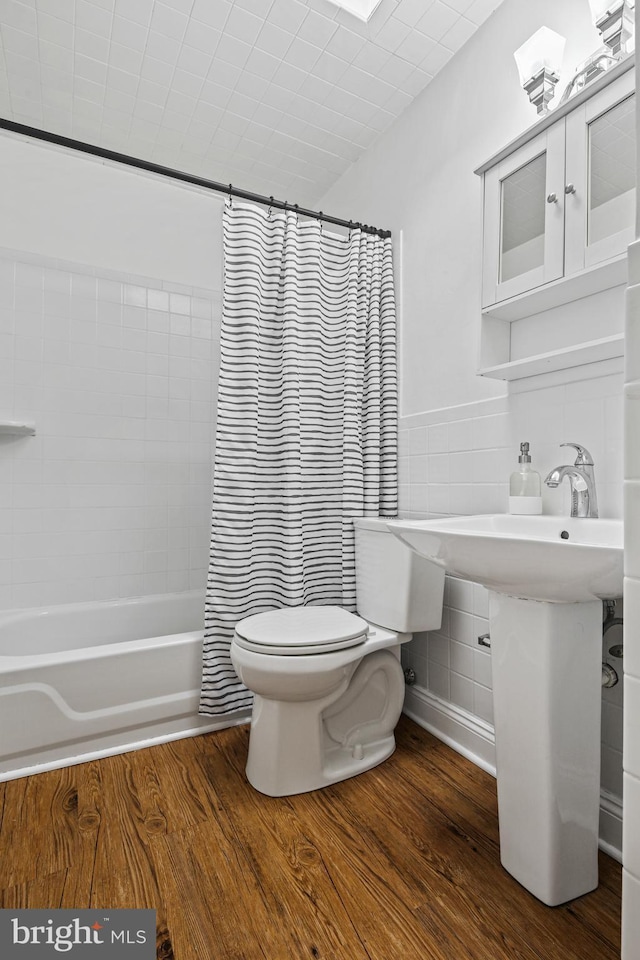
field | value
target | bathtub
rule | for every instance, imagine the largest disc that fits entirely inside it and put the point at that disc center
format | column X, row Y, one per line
column 87, row 680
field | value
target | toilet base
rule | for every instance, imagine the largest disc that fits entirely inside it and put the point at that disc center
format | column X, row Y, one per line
column 344, row 762
column 299, row 746
column 309, row 771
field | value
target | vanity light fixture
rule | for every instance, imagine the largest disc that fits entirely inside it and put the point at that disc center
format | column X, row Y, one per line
column 539, row 61
column 362, row 9
column 615, row 22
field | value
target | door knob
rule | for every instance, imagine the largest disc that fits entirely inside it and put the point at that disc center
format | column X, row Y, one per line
column 552, row 198
column 569, row 188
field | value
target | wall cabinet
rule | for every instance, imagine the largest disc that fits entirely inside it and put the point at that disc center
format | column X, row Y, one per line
column 559, row 214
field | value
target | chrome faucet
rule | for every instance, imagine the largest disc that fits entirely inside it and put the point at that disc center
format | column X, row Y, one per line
column 584, row 501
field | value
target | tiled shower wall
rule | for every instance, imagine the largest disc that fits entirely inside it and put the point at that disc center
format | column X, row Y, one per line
column 458, row 461
column 111, row 497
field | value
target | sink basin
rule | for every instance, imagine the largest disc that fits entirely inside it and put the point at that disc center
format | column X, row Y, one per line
column 557, row 559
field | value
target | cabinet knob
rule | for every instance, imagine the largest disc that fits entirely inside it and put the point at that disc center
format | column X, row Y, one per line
column 569, row 188
column 552, row 198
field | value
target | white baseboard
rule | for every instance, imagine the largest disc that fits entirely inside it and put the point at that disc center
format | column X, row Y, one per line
column 475, row 739
column 611, row 825
column 462, row 731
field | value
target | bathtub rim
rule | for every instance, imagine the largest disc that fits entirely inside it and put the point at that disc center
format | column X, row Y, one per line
column 13, row 663
column 10, row 662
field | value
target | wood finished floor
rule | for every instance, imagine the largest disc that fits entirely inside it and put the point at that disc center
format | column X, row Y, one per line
column 401, row 863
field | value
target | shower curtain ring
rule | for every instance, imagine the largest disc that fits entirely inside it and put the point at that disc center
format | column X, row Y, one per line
column 350, row 226
column 270, row 210
column 295, row 207
column 231, row 196
column 320, row 219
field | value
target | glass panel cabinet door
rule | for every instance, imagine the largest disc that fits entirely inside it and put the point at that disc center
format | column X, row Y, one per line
column 523, row 221
column 600, row 176
column 612, row 172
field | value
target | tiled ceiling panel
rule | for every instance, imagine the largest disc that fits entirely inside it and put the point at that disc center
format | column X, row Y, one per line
column 280, row 96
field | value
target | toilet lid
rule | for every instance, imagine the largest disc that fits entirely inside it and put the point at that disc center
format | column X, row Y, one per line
column 294, row 631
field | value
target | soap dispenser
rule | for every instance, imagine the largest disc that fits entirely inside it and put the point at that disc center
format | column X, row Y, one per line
column 524, row 486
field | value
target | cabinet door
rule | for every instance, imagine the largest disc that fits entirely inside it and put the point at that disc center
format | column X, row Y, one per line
column 524, row 218
column 601, row 176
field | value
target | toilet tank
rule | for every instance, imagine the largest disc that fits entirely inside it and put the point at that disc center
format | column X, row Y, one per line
column 395, row 587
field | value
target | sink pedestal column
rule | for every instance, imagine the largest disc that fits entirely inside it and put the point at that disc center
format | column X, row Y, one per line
column 546, row 663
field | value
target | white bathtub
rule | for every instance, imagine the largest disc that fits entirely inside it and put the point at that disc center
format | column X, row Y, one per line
column 87, row 680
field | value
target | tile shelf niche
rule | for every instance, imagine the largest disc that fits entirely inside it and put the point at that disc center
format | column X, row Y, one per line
column 17, row 428
column 559, row 214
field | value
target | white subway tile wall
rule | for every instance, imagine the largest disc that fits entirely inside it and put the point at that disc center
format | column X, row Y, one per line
column 457, row 461
column 631, row 778
column 111, row 497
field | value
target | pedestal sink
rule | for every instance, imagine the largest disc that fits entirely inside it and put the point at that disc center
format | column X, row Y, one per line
column 546, row 578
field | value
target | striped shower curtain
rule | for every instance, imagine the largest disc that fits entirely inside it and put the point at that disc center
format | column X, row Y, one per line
column 307, row 423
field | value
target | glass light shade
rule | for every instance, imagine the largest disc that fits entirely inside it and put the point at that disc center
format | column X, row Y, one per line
column 362, row 9
column 600, row 7
column 544, row 49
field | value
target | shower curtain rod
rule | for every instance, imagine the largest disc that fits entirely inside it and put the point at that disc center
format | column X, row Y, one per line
column 227, row 188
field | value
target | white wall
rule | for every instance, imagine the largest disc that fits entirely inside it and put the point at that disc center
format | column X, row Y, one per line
column 418, row 180
column 110, row 301
column 78, row 208
column 460, row 433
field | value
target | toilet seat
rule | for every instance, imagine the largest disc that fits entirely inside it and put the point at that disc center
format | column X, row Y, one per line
column 300, row 631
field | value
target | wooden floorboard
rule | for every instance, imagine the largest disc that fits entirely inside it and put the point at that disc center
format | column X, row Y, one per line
column 401, row 863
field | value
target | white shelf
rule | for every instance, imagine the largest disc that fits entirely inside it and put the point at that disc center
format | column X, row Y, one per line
column 17, row 428
column 590, row 352
column 611, row 273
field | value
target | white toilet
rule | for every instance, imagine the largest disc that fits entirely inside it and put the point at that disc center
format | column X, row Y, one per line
column 328, row 686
